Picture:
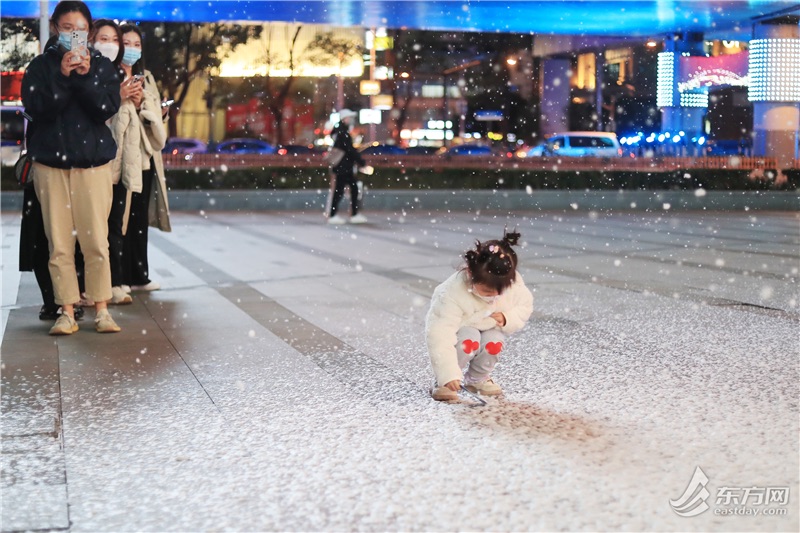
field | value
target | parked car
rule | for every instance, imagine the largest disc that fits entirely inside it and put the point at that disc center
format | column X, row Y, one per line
column 467, row 150
column 295, row 149
column 532, row 151
column 383, row 149
column 723, row 147
column 421, row 150
column 244, row 146
column 180, row 145
column 583, row 144
column 13, row 124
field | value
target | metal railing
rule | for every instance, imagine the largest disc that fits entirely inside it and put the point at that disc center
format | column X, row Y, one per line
column 437, row 162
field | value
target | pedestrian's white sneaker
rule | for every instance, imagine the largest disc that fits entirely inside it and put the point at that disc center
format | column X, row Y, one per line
column 120, row 297
column 126, row 288
column 103, row 322
column 358, row 219
column 487, row 388
column 65, row 325
column 152, row 286
column 336, row 219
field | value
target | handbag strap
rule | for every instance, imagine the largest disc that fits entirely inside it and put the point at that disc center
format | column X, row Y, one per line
column 25, row 130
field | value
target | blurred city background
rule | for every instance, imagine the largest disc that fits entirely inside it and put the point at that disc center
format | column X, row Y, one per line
column 692, row 79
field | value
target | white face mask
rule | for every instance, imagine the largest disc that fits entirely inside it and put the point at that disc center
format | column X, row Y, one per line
column 487, row 299
column 110, row 50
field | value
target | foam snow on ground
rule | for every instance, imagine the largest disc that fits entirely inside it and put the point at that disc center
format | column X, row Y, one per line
column 273, row 385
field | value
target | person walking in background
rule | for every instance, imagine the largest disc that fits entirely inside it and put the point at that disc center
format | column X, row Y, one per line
column 70, row 93
column 470, row 315
column 108, row 41
column 343, row 171
column 145, row 168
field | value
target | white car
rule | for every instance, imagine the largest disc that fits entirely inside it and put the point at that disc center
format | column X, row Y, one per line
column 583, row 144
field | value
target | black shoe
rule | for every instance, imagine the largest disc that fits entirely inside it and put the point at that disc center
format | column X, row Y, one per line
column 52, row 312
column 49, row 312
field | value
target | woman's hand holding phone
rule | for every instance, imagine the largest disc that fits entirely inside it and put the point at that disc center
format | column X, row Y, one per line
column 84, row 65
column 131, row 89
column 74, row 61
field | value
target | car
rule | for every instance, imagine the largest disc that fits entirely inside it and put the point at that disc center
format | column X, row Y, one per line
column 383, row 149
column 421, row 150
column 583, row 144
column 244, row 146
column 181, row 145
column 471, row 150
column 715, row 147
column 13, row 124
column 533, row 151
column 295, row 149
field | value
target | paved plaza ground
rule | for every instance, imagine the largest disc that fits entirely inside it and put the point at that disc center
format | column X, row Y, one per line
column 279, row 381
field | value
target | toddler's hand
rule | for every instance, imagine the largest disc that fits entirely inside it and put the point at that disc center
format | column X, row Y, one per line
column 499, row 318
column 454, row 385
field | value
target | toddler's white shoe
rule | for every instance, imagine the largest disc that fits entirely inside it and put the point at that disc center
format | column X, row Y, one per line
column 443, row 394
column 487, row 388
column 336, row 219
column 358, row 219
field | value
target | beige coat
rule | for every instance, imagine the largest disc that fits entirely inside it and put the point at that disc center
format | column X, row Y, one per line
column 140, row 136
column 154, row 138
column 454, row 306
column 127, row 131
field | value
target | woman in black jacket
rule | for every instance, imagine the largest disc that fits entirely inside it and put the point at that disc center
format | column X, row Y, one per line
column 70, row 94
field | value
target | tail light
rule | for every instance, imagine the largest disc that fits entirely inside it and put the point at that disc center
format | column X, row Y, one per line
column 283, row 151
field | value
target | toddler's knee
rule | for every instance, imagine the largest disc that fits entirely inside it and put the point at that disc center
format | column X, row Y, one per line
column 470, row 346
column 494, row 348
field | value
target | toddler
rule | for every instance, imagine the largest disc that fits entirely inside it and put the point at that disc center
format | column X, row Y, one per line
column 471, row 313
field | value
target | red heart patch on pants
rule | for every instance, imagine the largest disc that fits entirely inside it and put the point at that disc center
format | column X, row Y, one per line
column 494, row 348
column 470, row 346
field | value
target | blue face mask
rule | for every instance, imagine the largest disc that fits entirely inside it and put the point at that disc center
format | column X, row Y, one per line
column 65, row 40
column 131, row 56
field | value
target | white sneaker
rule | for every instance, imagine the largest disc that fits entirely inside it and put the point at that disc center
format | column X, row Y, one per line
column 152, row 286
column 126, row 288
column 120, row 297
column 358, row 219
column 103, row 322
column 336, row 219
column 65, row 325
column 487, row 388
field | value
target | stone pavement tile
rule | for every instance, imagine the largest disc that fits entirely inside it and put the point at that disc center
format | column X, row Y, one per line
column 34, row 507
column 32, row 459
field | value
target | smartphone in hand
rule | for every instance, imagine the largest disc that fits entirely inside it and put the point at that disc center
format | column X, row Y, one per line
column 78, row 44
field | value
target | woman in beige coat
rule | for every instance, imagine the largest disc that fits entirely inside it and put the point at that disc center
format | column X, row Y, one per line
column 141, row 135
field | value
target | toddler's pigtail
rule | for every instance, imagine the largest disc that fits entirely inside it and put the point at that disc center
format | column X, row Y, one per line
column 471, row 256
column 512, row 238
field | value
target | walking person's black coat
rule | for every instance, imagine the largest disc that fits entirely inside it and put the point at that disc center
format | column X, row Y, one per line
column 344, row 171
